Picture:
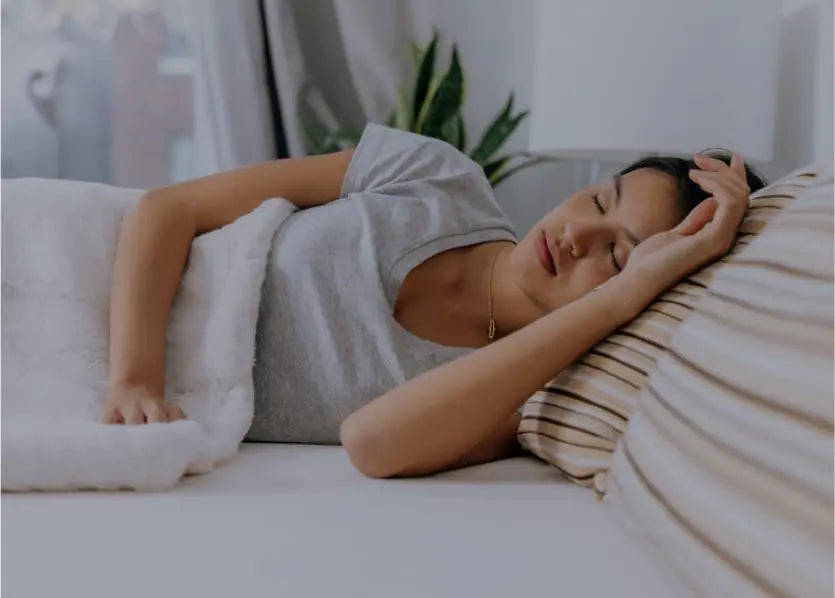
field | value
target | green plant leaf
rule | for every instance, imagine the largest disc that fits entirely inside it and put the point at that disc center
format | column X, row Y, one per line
column 424, row 78
column 497, row 132
column 447, row 99
column 493, row 167
column 314, row 131
column 417, row 53
column 340, row 140
column 463, row 132
column 500, row 134
column 499, row 176
column 487, row 146
column 452, row 131
column 417, row 127
column 402, row 114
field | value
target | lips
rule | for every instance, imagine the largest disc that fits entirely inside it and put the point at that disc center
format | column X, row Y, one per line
column 544, row 255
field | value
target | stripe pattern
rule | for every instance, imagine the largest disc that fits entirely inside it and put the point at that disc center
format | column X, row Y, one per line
column 574, row 423
column 727, row 465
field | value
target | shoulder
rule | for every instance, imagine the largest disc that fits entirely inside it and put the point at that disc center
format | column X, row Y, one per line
column 386, row 158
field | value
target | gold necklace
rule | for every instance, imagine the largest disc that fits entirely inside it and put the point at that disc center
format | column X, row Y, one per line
column 491, row 327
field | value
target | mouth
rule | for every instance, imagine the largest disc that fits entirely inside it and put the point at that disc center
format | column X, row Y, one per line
column 544, row 254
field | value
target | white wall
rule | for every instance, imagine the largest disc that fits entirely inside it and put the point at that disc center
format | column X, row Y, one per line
column 804, row 128
column 825, row 84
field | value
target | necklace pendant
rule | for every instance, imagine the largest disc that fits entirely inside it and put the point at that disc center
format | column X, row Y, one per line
column 491, row 330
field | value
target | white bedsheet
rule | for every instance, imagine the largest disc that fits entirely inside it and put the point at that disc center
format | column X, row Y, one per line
column 293, row 520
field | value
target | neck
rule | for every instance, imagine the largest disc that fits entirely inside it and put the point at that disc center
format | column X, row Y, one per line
column 512, row 309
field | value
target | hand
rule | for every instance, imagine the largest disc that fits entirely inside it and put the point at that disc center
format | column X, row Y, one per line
column 137, row 405
column 706, row 234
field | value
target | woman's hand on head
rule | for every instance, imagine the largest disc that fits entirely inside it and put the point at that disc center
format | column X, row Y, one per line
column 133, row 405
column 706, row 234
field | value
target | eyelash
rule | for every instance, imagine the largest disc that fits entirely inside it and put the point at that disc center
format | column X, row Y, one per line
column 596, row 199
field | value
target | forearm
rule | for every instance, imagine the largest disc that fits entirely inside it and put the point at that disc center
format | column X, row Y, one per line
column 435, row 418
column 485, row 451
column 154, row 242
column 218, row 199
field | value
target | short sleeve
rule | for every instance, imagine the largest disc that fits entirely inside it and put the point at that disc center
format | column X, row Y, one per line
column 387, row 157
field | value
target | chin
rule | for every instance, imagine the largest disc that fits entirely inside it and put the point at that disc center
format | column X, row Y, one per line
column 543, row 294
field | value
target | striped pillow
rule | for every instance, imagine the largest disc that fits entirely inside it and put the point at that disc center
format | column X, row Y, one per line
column 727, row 466
column 576, row 420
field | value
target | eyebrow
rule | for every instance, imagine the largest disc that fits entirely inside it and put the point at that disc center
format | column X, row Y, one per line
column 617, row 181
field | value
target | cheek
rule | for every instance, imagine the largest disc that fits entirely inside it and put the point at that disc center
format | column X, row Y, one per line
column 589, row 274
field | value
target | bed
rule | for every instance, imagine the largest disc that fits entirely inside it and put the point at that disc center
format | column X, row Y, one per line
column 298, row 520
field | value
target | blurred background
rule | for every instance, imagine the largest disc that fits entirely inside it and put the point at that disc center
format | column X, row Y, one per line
column 143, row 93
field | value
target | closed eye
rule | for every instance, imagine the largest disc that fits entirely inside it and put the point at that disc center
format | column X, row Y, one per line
column 615, row 265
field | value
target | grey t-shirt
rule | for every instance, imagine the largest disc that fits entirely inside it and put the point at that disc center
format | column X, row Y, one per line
column 327, row 340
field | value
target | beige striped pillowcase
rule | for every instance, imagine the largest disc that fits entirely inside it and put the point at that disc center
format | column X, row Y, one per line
column 727, row 465
column 576, row 420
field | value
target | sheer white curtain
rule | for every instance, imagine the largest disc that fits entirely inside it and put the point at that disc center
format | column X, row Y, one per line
column 336, row 61
column 256, row 60
column 232, row 119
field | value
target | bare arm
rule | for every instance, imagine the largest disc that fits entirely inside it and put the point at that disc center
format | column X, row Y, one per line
column 437, row 420
column 501, row 443
column 153, row 247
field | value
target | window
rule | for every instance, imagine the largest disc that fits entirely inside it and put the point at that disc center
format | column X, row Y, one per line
column 99, row 90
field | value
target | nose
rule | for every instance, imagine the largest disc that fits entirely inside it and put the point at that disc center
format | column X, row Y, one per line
column 578, row 237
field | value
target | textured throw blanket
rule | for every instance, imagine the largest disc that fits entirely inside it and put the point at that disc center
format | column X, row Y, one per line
column 58, row 245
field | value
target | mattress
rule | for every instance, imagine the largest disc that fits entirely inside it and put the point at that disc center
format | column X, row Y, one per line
column 298, row 520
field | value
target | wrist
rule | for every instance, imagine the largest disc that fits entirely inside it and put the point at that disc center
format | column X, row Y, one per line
column 122, row 386
column 625, row 296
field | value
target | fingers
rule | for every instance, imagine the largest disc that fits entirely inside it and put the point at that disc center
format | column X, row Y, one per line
column 720, row 180
column 175, row 413
column 738, row 166
column 154, row 412
column 711, row 164
column 698, row 217
column 714, row 165
column 112, row 415
column 133, row 414
column 140, row 410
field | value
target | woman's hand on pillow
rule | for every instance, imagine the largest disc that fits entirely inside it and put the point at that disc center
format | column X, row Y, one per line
column 131, row 404
column 706, row 234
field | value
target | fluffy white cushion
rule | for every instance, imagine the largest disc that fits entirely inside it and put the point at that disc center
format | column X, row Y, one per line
column 59, row 241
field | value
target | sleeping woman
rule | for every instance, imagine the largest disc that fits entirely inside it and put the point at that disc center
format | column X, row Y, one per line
column 400, row 315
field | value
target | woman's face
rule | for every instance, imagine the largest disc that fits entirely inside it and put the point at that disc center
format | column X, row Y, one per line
column 587, row 239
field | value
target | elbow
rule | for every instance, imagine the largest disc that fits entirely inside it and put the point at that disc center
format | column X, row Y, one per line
column 164, row 209
column 364, row 456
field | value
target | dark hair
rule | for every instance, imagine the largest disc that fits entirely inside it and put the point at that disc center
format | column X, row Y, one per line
column 689, row 193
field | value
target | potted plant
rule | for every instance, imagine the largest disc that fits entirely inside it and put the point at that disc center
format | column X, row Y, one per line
column 432, row 107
